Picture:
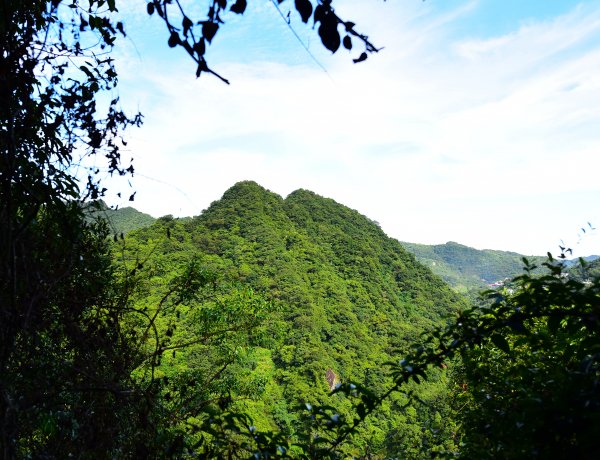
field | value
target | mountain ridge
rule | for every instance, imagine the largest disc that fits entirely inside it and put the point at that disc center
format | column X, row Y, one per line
column 346, row 297
column 464, row 268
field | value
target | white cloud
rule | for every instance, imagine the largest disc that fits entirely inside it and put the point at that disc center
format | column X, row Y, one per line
column 488, row 142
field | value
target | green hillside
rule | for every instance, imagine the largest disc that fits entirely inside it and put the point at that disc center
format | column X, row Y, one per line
column 467, row 269
column 342, row 299
column 584, row 269
column 121, row 220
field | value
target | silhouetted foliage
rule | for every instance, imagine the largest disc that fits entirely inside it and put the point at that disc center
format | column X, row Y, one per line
column 56, row 338
column 530, row 360
column 533, row 384
column 194, row 35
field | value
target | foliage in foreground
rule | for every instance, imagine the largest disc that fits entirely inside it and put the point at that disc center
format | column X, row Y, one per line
column 67, row 353
column 62, row 351
column 530, row 368
column 188, row 348
column 533, row 385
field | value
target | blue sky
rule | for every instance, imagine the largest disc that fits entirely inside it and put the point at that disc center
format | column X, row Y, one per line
column 479, row 122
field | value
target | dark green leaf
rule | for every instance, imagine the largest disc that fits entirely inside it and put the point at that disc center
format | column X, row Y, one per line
column 305, row 9
column 209, row 30
column 501, row 342
column 347, row 42
column 239, row 7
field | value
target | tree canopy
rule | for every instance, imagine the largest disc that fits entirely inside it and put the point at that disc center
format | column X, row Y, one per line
column 160, row 346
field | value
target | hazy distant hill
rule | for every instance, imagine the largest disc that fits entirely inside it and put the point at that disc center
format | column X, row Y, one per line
column 586, row 270
column 122, row 220
column 466, row 268
column 576, row 261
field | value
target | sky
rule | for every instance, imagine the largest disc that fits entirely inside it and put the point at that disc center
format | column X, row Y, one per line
column 478, row 122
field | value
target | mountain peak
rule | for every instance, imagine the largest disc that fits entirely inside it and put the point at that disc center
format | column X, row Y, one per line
column 245, row 187
column 303, row 192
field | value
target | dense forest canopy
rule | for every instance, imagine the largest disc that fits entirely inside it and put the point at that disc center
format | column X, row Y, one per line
column 344, row 298
column 263, row 328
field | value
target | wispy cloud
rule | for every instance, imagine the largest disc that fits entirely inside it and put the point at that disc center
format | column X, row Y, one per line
column 489, row 141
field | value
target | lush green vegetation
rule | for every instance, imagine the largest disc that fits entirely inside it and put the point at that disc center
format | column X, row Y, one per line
column 342, row 301
column 264, row 328
column 223, row 336
column 344, row 297
column 120, row 220
column 533, row 389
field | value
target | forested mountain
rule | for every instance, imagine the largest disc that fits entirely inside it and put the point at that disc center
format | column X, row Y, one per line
column 222, row 336
column 586, row 259
column 343, row 299
column 466, row 268
column 120, row 220
column 462, row 267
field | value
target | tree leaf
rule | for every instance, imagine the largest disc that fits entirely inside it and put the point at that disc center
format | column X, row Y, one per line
column 239, row 7
column 173, row 40
column 305, row 9
column 87, row 71
column 200, row 47
column 501, row 342
column 121, row 29
column 363, row 57
column 329, row 34
column 209, row 30
column 319, row 13
column 347, row 42
column 186, row 24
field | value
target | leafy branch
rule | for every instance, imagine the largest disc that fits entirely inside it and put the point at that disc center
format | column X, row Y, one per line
column 195, row 35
